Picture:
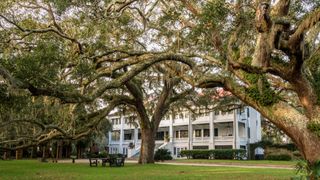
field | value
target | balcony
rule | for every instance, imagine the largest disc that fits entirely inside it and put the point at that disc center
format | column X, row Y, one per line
column 181, row 139
column 223, row 138
column 201, row 139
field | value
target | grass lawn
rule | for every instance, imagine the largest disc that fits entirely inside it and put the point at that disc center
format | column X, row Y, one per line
column 239, row 162
column 32, row 169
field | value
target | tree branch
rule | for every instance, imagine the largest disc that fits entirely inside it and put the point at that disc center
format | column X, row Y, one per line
column 312, row 19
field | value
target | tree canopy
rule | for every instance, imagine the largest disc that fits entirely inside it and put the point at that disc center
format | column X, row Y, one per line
column 83, row 52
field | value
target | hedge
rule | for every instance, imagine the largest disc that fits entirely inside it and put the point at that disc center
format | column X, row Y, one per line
column 162, row 154
column 214, row 154
column 279, row 157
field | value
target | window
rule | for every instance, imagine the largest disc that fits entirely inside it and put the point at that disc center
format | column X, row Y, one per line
column 139, row 135
column 115, row 135
column 197, row 133
column 160, row 135
column 216, row 112
column 183, row 133
column 216, row 132
column 200, row 147
column 127, row 136
column 206, row 132
column 177, row 134
column 248, row 132
column 223, row 147
column 248, row 112
column 174, row 151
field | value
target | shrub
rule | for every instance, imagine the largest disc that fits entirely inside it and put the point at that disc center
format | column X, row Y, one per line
column 92, row 155
column 162, row 154
column 305, row 170
column 279, row 157
column 103, row 154
column 215, row 154
column 296, row 153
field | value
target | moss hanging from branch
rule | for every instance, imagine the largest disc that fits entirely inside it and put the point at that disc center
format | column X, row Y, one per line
column 314, row 127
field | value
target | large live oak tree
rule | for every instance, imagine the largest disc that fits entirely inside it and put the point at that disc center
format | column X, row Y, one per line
column 266, row 53
column 69, row 51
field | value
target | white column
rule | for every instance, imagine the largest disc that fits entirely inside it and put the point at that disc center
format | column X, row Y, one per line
column 202, row 134
column 121, row 134
column 171, row 129
column 190, row 133
column 110, row 140
column 171, row 135
column 211, row 127
column 135, row 136
column 258, row 130
column 236, row 134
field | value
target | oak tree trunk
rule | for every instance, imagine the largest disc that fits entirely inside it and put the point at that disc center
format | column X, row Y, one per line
column 147, row 146
column 308, row 144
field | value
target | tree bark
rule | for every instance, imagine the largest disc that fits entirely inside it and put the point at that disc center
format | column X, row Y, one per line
column 147, row 146
column 294, row 124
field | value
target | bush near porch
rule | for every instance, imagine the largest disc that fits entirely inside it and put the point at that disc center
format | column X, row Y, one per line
column 214, row 154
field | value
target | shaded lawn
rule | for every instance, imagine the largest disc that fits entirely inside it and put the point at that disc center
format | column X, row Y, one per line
column 32, row 169
column 239, row 162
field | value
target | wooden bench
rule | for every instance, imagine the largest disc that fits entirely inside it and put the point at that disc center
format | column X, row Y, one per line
column 93, row 162
column 116, row 161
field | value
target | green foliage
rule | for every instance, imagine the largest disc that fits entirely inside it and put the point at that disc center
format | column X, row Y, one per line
column 162, row 154
column 305, row 170
column 61, row 5
column 84, row 69
column 314, row 127
column 269, row 144
column 313, row 73
column 214, row 12
column 247, row 60
column 215, row 154
column 103, row 154
column 260, row 89
column 40, row 66
column 279, row 157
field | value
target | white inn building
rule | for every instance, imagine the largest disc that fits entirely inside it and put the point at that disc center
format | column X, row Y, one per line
column 209, row 130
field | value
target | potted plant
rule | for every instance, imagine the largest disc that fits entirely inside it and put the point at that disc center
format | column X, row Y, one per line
column 166, row 138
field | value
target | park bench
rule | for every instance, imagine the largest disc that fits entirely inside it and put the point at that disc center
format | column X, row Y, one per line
column 104, row 161
column 93, row 162
column 116, row 161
